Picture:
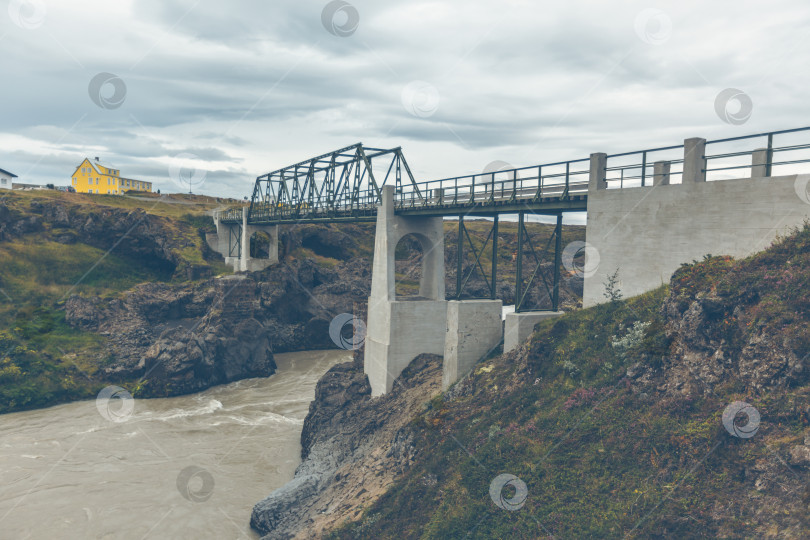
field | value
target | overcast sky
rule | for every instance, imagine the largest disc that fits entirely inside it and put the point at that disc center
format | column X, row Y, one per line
column 241, row 88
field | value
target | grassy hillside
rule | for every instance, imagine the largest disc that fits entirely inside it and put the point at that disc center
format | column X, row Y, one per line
column 609, row 436
column 42, row 359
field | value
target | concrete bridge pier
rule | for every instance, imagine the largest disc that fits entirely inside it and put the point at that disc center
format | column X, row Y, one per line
column 233, row 240
column 398, row 330
column 519, row 326
column 474, row 329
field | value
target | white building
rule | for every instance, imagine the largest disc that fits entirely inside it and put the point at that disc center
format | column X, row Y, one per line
column 6, row 178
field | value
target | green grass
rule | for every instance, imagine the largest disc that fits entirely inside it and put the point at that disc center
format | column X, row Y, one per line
column 38, row 270
column 43, row 361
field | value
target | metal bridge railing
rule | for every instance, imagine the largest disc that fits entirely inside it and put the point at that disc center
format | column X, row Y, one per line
column 772, row 153
column 550, row 181
column 231, row 215
column 637, row 168
column 760, row 155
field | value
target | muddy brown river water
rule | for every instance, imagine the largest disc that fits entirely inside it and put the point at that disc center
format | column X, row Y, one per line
column 184, row 467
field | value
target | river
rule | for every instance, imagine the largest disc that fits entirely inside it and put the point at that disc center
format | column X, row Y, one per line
column 185, row 467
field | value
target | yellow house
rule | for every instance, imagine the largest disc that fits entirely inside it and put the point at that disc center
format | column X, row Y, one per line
column 98, row 177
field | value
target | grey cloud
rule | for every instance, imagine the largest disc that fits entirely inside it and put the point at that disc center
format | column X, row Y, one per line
column 250, row 86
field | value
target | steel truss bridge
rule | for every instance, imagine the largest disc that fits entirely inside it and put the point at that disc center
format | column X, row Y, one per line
column 345, row 186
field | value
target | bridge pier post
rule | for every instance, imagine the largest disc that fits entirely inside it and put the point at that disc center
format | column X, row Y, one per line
column 694, row 160
column 400, row 330
column 519, row 326
column 474, row 329
column 219, row 241
column 661, row 173
column 760, row 159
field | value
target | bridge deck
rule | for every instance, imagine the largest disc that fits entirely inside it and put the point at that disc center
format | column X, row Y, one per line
column 446, row 202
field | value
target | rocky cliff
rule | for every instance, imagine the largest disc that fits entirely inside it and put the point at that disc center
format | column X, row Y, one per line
column 353, row 447
column 681, row 413
column 184, row 338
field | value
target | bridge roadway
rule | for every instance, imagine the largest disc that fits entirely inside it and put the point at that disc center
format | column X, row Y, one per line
column 482, row 205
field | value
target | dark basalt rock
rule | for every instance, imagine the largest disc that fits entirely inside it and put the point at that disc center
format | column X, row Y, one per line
column 348, row 438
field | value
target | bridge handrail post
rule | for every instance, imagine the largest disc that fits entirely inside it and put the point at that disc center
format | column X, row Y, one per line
column 661, row 173
column 694, row 160
column 769, row 162
column 539, row 193
column 514, row 186
column 760, row 162
column 597, row 175
column 643, row 167
column 567, row 181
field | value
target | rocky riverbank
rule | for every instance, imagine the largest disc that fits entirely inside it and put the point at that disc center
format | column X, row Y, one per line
column 353, row 447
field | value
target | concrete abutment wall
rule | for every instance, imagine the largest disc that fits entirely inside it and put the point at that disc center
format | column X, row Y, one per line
column 648, row 232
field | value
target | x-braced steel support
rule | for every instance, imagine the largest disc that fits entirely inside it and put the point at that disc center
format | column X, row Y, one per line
column 235, row 241
column 522, row 289
column 461, row 277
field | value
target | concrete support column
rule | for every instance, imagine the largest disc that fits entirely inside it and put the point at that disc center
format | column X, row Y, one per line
column 272, row 231
column 759, row 162
column 694, row 160
column 474, row 329
column 661, row 173
column 598, row 172
column 383, row 284
column 244, row 259
column 400, row 330
column 519, row 326
column 222, row 235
